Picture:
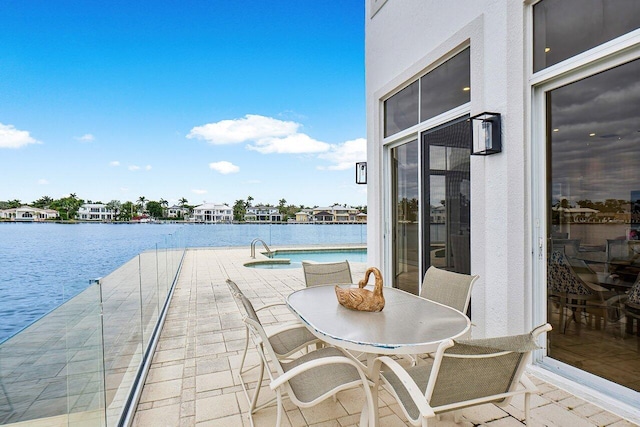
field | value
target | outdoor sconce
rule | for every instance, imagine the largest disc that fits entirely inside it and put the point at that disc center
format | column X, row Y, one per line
column 361, row 173
column 486, row 134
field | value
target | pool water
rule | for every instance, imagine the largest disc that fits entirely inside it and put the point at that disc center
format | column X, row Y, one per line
column 334, row 255
column 296, row 257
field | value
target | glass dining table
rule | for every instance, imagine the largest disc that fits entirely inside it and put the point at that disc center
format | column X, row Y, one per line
column 408, row 325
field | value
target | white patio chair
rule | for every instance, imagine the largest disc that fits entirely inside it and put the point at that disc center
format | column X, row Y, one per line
column 285, row 340
column 326, row 273
column 462, row 374
column 307, row 380
column 448, row 288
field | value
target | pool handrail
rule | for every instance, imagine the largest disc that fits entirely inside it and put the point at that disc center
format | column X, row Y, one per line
column 253, row 246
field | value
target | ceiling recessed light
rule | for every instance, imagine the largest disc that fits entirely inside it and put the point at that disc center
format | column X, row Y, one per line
column 556, row 130
column 547, row 49
column 592, row 134
column 466, row 88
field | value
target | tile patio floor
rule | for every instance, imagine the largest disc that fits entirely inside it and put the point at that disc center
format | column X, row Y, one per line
column 192, row 379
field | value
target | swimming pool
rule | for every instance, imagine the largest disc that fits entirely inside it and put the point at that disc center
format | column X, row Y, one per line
column 318, row 255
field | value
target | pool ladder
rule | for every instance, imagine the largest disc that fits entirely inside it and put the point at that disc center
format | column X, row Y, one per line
column 253, row 247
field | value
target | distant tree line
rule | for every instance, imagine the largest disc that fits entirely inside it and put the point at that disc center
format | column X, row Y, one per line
column 68, row 207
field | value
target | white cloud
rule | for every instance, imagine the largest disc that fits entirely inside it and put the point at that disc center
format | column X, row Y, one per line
column 10, row 137
column 344, row 156
column 87, row 137
column 264, row 134
column 224, row 167
column 124, row 189
column 297, row 143
column 196, row 191
column 250, row 128
column 43, row 181
column 254, row 181
column 114, row 163
column 133, row 168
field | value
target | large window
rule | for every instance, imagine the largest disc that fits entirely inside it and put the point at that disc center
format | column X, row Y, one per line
column 445, row 87
column 593, row 212
column 565, row 28
column 401, row 110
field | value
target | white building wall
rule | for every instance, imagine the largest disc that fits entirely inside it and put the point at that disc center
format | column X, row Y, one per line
column 404, row 40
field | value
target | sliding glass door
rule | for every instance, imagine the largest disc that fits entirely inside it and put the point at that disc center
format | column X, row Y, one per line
column 405, row 212
column 446, row 195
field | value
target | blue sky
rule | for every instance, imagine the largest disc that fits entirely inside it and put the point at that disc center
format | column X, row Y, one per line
column 207, row 100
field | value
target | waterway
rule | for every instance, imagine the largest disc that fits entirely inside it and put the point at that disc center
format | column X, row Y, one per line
column 43, row 265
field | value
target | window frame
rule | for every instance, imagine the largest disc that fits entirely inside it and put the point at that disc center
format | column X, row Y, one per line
column 601, row 58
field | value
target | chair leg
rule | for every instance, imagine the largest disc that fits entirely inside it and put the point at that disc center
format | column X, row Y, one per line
column 279, row 410
column 246, row 348
column 370, row 409
column 527, row 407
column 254, row 400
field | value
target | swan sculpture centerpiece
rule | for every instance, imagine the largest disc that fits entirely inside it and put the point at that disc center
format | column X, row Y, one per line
column 363, row 299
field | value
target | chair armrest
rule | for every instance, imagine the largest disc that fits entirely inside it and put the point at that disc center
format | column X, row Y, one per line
column 414, row 392
column 330, row 360
column 271, row 305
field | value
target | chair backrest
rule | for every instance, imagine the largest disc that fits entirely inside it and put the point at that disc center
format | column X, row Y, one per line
column 233, row 287
column 259, row 337
column 634, row 293
column 477, row 369
column 571, row 247
column 561, row 277
column 327, row 273
column 448, row 288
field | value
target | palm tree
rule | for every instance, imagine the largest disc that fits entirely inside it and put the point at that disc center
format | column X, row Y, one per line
column 115, row 206
column 183, row 203
column 141, row 201
column 164, row 205
column 249, row 200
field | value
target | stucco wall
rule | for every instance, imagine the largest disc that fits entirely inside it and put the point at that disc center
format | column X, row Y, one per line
column 403, row 40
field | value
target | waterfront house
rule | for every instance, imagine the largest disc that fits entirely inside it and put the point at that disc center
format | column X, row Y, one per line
column 95, row 212
column 28, row 214
column 322, row 216
column 303, row 216
column 262, row 213
column 212, row 212
column 493, row 112
column 176, row 211
column 335, row 213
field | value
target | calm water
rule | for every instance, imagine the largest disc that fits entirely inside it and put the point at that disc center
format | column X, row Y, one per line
column 43, row 265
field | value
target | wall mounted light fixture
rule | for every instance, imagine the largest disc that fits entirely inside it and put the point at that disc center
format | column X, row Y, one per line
column 361, row 173
column 486, row 133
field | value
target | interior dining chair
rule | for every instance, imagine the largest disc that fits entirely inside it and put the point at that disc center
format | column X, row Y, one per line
column 448, row 288
column 308, row 379
column 326, row 273
column 573, row 287
column 285, row 340
column 461, row 374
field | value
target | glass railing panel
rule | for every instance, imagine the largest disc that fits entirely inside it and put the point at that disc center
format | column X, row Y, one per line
column 85, row 359
column 122, row 335
column 77, row 367
column 148, row 294
column 52, row 371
